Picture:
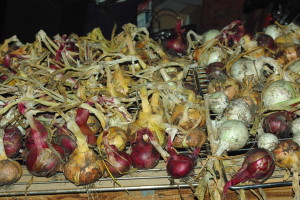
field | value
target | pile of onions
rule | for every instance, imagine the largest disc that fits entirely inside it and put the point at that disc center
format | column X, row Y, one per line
column 143, row 154
column 11, row 170
column 84, row 166
column 258, row 165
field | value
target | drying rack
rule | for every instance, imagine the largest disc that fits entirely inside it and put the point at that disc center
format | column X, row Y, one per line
column 151, row 179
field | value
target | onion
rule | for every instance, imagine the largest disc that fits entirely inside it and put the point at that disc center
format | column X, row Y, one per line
column 210, row 34
column 176, row 44
column 257, row 165
column 278, row 123
column 229, row 86
column 12, row 141
column 233, row 135
column 144, row 155
column 296, row 138
column 11, row 170
column 296, row 126
column 265, row 41
column 181, row 165
column 287, row 54
column 194, row 138
column 41, row 159
column 278, row 91
column 273, row 30
column 215, row 70
column 267, row 141
column 287, row 154
column 214, row 54
column 218, row 101
column 84, row 166
column 118, row 162
column 64, row 142
column 239, row 109
column 115, row 136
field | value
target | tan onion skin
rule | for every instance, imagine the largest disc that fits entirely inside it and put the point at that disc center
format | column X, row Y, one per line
column 11, row 172
column 227, row 85
column 195, row 138
column 287, row 154
column 115, row 136
column 83, row 168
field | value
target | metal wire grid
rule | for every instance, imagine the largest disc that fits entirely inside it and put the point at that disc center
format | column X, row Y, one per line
column 156, row 178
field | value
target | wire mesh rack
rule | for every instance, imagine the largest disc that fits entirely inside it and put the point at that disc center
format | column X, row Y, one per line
column 156, row 178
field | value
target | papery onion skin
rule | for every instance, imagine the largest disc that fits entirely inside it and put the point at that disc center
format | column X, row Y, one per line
column 279, row 123
column 195, row 138
column 229, row 86
column 115, row 136
column 265, row 41
column 258, row 164
column 287, row 154
column 83, row 168
column 144, row 155
column 278, row 91
column 215, row 70
column 11, row 172
column 13, row 141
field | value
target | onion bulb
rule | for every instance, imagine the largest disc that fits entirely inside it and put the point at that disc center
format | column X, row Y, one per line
column 11, row 170
column 115, row 136
column 278, row 91
column 229, row 86
column 273, row 30
column 84, row 166
column 13, row 141
column 296, row 126
column 210, row 34
column 218, row 101
column 267, row 141
column 233, row 135
column 287, row 154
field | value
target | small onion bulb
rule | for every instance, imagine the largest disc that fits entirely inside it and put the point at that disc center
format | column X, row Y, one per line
column 267, row 141
column 273, row 30
column 218, row 101
column 210, row 34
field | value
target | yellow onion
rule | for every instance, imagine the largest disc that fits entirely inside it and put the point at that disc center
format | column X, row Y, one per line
column 195, row 138
column 115, row 136
column 287, row 155
column 229, row 86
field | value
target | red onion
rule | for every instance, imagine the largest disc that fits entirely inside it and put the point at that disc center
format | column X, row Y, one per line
column 232, row 33
column 13, row 141
column 215, row 69
column 144, row 155
column 64, row 142
column 11, row 170
column 265, row 41
column 81, row 119
column 258, row 165
column 176, row 44
column 41, row 159
column 118, row 162
column 181, row 165
column 279, row 123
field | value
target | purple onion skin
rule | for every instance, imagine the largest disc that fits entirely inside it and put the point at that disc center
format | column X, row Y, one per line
column 13, row 141
column 144, row 155
column 279, row 123
column 265, row 41
column 215, row 70
column 258, row 165
column 118, row 162
column 181, row 165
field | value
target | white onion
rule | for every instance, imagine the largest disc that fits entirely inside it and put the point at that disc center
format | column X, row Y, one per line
column 296, row 126
column 218, row 101
column 277, row 92
column 215, row 54
column 267, row 141
column 233, row 135
column 210, row 34
column 239, row 109
column 274, row 31
column 245, row 67
column 296, row 138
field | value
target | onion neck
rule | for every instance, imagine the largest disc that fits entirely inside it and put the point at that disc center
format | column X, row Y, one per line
column 145, row 102
column 223, row 146
column 82, row 145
